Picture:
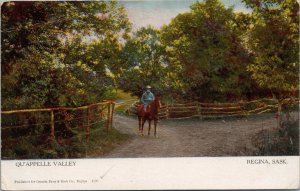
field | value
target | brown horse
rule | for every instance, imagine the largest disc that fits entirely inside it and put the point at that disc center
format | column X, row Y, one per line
column 150, row 114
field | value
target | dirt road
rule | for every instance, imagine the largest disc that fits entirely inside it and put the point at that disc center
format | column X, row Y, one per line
column 192, row 137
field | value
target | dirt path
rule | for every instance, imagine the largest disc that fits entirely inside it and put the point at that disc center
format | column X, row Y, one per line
column 192, row 137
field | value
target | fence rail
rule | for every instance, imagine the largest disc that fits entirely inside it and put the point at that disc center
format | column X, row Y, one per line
column 24, row 123
column 217, row 110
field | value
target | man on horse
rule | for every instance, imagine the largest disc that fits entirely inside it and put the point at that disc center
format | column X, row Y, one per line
column 147, row 97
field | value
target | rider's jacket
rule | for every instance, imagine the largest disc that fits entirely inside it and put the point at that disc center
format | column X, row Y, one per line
column 147, row 98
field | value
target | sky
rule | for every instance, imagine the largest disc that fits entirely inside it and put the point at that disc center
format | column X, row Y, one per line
column 159, row 12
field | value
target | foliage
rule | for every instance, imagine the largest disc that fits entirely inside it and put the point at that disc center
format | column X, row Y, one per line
column 59, row 53
column 101, row 142
column 274, row 42
column 125, row 106
column 75, row 53
column 282, row 141
column 205, row 52
column 144, row 61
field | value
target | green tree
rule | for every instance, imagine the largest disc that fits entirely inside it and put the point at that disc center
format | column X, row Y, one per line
column 206, row 55
column 144, row 61
column 59, row 53
column 274, row 42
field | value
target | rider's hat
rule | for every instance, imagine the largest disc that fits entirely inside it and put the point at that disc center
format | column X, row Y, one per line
column 148, row 87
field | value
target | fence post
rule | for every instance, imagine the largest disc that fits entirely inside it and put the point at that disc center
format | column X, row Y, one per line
column 52, row 125
column 199, row 110
column 241, row 105
column 108, row 116
column 167, row 111
column 112, row 114
column 88, row 124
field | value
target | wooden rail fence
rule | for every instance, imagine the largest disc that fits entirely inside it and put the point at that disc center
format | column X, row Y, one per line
column 81, row 118
column 218, row 110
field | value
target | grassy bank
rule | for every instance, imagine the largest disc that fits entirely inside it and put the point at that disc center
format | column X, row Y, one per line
column 283, row 140
column 101, row 142
column 122, row 107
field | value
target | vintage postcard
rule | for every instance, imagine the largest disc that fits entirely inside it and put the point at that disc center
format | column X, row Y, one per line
column 150, row 94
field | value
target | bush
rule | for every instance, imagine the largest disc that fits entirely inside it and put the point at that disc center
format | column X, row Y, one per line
column 282, row 141
column 101, row 142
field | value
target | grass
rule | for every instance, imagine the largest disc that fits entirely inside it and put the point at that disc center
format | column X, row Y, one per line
column 100, row 143
column 281, row 141
column 125, row 100
column 121, row 95
column 103, row 141
column 122, row 107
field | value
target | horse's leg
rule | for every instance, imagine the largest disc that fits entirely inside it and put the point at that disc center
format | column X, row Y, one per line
column 143, row 123
column 140, row 124
column 149, row 127
column 155, row 124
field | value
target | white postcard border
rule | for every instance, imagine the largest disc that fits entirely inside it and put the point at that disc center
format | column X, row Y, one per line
column 280, row 172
